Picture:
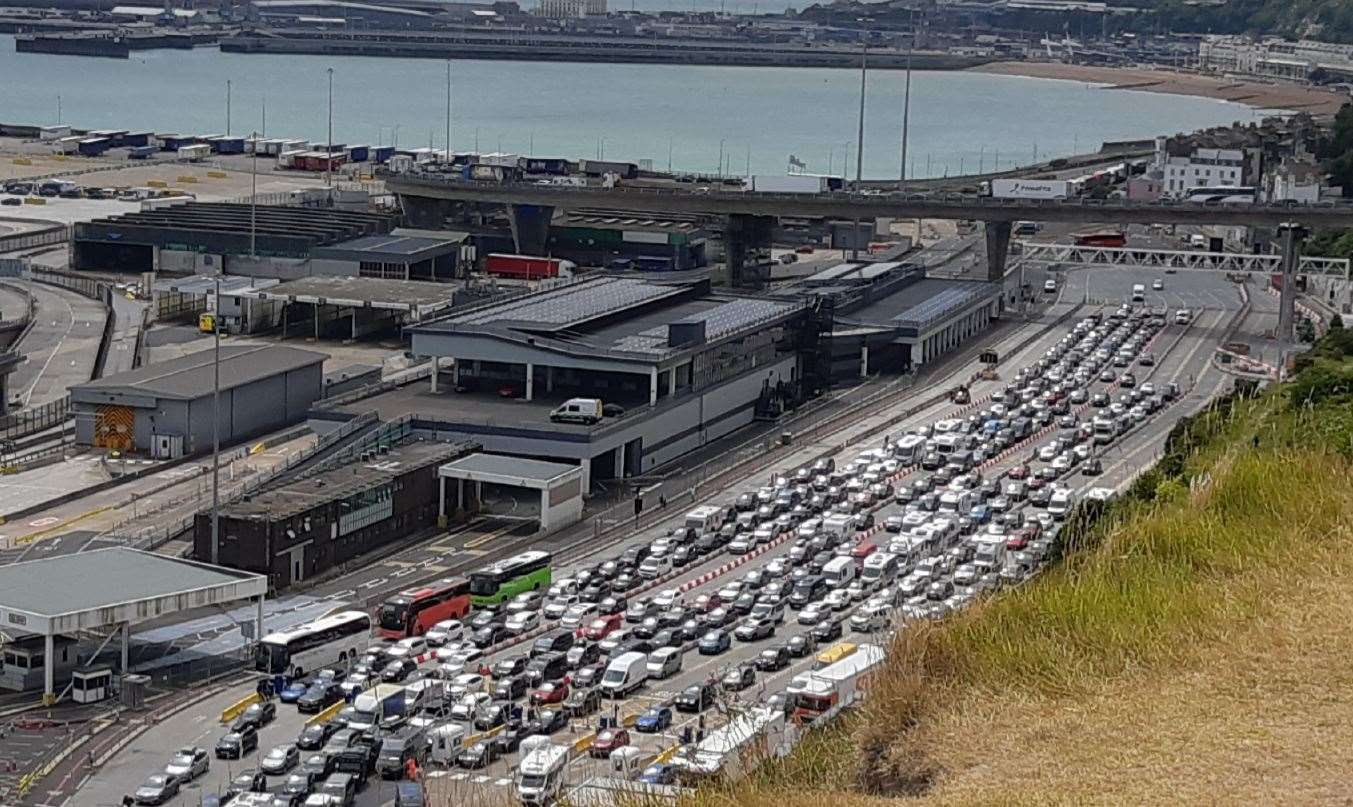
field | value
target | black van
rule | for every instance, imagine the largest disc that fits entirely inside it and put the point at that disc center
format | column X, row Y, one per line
column 547, row 667
column 342, row 786
column 359, row 761
column 555, row 642
column 809, row 589
column 397, row 749
column 635, row 555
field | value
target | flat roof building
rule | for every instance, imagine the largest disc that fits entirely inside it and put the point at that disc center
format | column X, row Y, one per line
column 675, row 364
column 165, row 409
column 333, row 514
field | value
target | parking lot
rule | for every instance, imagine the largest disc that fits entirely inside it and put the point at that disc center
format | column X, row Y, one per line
column 1180, row 354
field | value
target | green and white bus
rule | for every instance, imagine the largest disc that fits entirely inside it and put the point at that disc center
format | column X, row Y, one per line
column 507, row 578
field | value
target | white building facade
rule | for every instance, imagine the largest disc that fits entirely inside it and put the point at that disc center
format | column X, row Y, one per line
column 1205, row 168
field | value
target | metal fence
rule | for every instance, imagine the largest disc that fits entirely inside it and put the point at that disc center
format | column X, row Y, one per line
column 39, row 238
column 36, row 419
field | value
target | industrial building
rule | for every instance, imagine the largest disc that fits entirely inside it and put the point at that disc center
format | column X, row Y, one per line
column 890, row 317
column 676, row 364
column 334, row 514
column 559, row 487
column 619, row 239
column 277, row 242
column 165, row 410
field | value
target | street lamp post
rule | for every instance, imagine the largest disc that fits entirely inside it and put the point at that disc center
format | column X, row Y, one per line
column 329, row 144
column 216, row 428
column 448, row 110
column 253, row 201
column 227, row 106
column 906, row 101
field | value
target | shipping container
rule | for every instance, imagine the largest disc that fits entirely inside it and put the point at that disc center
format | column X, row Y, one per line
column 141, row 152
column 94, row 146
column 1030, row 188
column 501, row 160
column 113, row 136
column 556, row 166
column 139, row 139
column 68, row 145
column 596, row 168
column 53, row 132
column 170, row 141
column 494, row 173
column 294, row 145
column 380, row 154
column 359, row 154
column 194, row 152
column 526, row 267
column 289, row 158
column 788, row 183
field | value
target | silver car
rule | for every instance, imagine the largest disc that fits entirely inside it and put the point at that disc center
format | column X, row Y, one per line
column 188, row 763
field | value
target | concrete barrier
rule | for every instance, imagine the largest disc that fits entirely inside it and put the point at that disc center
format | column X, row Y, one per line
column 326, row 715
column 235, row 709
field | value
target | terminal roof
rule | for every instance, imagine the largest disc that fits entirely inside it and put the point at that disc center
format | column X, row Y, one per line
column 505, row 467
column 922, row 304
column 191, row 377
column 80, row 590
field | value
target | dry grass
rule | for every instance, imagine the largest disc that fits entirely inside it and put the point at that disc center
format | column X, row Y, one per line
column 1198, row 654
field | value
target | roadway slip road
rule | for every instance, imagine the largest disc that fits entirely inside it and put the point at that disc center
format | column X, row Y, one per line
column 389, row 575
column 62, row 345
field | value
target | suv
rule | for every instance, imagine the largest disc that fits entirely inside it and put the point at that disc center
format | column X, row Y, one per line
column 396, row 750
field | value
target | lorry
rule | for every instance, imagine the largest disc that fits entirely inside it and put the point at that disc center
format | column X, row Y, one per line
column 750, row 738
column 578, row 410
column 1031, row 188
column 194, row 153
column 787, row 183
column 378, row 704
column 541, row 774
column 526, row 267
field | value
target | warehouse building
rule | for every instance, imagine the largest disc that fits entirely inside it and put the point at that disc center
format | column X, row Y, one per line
column 165, row 410
column 278, row 242
column 333, row 514
column 676, row 366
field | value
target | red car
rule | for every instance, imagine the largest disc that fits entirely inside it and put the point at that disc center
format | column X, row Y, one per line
column 550, row 692
column 1019, row 472
column 1036, row 482
column 1017, row 540
column 607, row 741
column 602, row 626
column 707, row 602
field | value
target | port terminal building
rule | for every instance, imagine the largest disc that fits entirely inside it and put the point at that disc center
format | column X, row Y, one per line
column 676, row 364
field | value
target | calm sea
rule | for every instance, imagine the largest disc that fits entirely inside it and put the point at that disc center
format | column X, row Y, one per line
column 696, row 118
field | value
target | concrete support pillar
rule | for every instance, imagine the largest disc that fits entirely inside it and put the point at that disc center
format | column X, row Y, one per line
column 619, row 462
column 258, row 621
column 586, row 464
column 652, row 385
column 124, row 631
column 998, row 247
column 441, row 500
column 455, row 373
column 530, row 380
column 544, row 509
column 48, row 668
column 671, row 381
column 549, row 379
column 864, row 361
column 1292, row 235
column 530, row 227
column 436, row 365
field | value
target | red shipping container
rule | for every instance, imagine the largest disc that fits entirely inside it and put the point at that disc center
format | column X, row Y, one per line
column 521, row 267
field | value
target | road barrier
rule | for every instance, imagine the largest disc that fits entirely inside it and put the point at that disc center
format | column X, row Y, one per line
column 235, row 709
column 327, row 714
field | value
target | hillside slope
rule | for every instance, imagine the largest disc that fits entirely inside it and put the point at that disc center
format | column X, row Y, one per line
column 1192, row 647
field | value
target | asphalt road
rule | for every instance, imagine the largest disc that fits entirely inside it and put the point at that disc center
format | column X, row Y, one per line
column 61, row 347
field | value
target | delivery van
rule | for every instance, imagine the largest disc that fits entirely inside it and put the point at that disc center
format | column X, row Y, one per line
column 625, row 674
column 578, row 410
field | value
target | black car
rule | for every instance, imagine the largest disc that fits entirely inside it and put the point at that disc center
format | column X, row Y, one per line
column 772, row 659
column 614, row 604
column 626, row 582
column 480, row 755
column 314, row 737
column 548, row 721
column 237, row 743
column 297, row 785
column 739, row 677
column 257, row 715
column 491, row 717
column 247, row 781
column 583, row 655
column 696, row 698
column 483, row 619
column 398, row 670
column 582, row 702
column 596, row 592
column 489, row 635
column 509, row 739
column 510, row 688
column 509, row 667
column 801, row 646
column 826, row 630
column 318, row 697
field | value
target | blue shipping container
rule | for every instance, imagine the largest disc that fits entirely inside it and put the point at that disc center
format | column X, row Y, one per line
column 380, row 154
column 94, row 146
column 359, row 154
column 141, row 152
column 136, row 139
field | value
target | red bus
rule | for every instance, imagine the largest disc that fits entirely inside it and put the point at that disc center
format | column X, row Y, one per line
column 413, row 612
column 1107, row 238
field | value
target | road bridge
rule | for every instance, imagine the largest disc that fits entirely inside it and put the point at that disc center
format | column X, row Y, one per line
column 1180, row 259
column 429, row 196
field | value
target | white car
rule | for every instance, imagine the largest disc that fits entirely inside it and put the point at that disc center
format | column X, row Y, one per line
column 667, row 598
column 355, row 681
column 1047, row 453
column 837, row 599
column 465, row 684
column 730, row 592
column 1062, row 462
column 655, row 566
column 408, row 648
column 469, row 703
column 521, row 622
column 467, row 651
column 555, row 608
column 448, row 630
column 578, row 615
column 812, row 613
column 1049, row 286
column 1158, row 284
column 525, row 601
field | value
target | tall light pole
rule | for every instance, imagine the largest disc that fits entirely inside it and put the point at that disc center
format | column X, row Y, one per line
column 448, row 110
column 253, row 201
column 216, row 428
column 227, row 106
column 859, row 150
column 329, row 144
column 906, row 100
column 58, row 107
column 721, row 142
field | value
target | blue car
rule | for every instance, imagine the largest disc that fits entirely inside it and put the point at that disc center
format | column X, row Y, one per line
column 980, row 514
column 292, row 692
column 660, row 774
column 654, row 720
column 714, row 642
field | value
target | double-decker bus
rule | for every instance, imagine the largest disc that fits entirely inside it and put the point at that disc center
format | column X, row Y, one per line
column 1102, row 238
column 507, row 578
column 412, row 612
column 334, row 638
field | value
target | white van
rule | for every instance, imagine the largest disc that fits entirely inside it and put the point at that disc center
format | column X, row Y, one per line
column 949, row 442
column 624, row 675
column 664, row 662
column 838, row 525
column 1060, row 503
column 839, row 572
column 879, row 568
column 909, row 449
column 1138, row 293
column 541, row 773
column 956, row 502
column 578, row 410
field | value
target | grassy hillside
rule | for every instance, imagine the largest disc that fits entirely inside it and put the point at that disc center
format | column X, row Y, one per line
column 1192, row 646
column 1330, row 20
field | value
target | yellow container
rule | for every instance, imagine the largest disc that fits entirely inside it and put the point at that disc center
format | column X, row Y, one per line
column 217, row 174
column 22, row 161
column 156, row 183
column 187, row 178
column 34, row 200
